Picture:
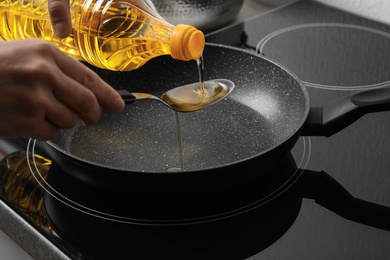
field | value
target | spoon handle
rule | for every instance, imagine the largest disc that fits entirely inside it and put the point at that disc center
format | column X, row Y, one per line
column 126, row 96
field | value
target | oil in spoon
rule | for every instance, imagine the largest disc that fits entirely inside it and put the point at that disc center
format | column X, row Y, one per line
column 197, row 95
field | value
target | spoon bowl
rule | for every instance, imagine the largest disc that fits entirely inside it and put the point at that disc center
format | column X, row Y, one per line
column 186, row 98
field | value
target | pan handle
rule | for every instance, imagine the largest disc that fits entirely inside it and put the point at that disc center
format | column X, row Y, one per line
column 327, row 192
column 337, row 115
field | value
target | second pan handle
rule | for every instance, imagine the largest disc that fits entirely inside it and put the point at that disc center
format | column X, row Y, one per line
column 337, row 115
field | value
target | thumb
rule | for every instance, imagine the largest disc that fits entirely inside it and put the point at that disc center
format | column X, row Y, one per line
column 60, row 17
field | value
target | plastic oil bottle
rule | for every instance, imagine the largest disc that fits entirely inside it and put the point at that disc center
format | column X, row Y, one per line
column 109, row 34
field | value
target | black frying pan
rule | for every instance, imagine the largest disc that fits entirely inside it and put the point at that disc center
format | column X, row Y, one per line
column 225, row 146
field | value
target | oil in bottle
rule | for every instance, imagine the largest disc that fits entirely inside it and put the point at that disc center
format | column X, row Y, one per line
column 114, row 35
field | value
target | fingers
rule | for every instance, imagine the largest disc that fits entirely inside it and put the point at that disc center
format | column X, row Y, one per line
column 43, row 130
column 32, row 111
column 60, row 17
column 105, row 95
column 79, row 99
column 59, row 115
column 19, row 122
column 43, row 90
column 73, row 84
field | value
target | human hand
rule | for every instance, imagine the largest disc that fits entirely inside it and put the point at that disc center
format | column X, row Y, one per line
column 59, row 11
column 42, row 89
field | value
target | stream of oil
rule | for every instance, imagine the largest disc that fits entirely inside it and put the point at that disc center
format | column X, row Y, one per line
column 200, row 64
column 180, row 141
column 193, row 97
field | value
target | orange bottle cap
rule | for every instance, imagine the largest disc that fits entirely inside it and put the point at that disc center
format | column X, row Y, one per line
column 187, row 42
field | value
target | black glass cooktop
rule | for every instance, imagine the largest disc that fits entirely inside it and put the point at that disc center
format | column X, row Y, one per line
column 335, row 54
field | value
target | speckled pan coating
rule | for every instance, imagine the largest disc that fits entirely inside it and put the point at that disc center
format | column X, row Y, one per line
column 267, row 107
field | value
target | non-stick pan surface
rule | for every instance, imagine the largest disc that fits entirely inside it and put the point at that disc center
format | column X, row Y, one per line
column 262, row 116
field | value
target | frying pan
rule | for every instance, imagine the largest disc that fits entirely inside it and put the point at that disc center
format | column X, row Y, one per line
column 225, row 146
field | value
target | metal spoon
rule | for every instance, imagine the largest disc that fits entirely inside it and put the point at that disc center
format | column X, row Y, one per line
column 130, row 97
column 186, row 98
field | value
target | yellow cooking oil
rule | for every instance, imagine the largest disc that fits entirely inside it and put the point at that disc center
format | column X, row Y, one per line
column 20, row 187
column 115, row 35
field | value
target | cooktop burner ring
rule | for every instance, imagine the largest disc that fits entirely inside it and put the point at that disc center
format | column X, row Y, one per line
column 306, row 142
column 260, row 49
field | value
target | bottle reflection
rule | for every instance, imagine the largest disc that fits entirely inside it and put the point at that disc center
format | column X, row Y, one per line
column 19, row 187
